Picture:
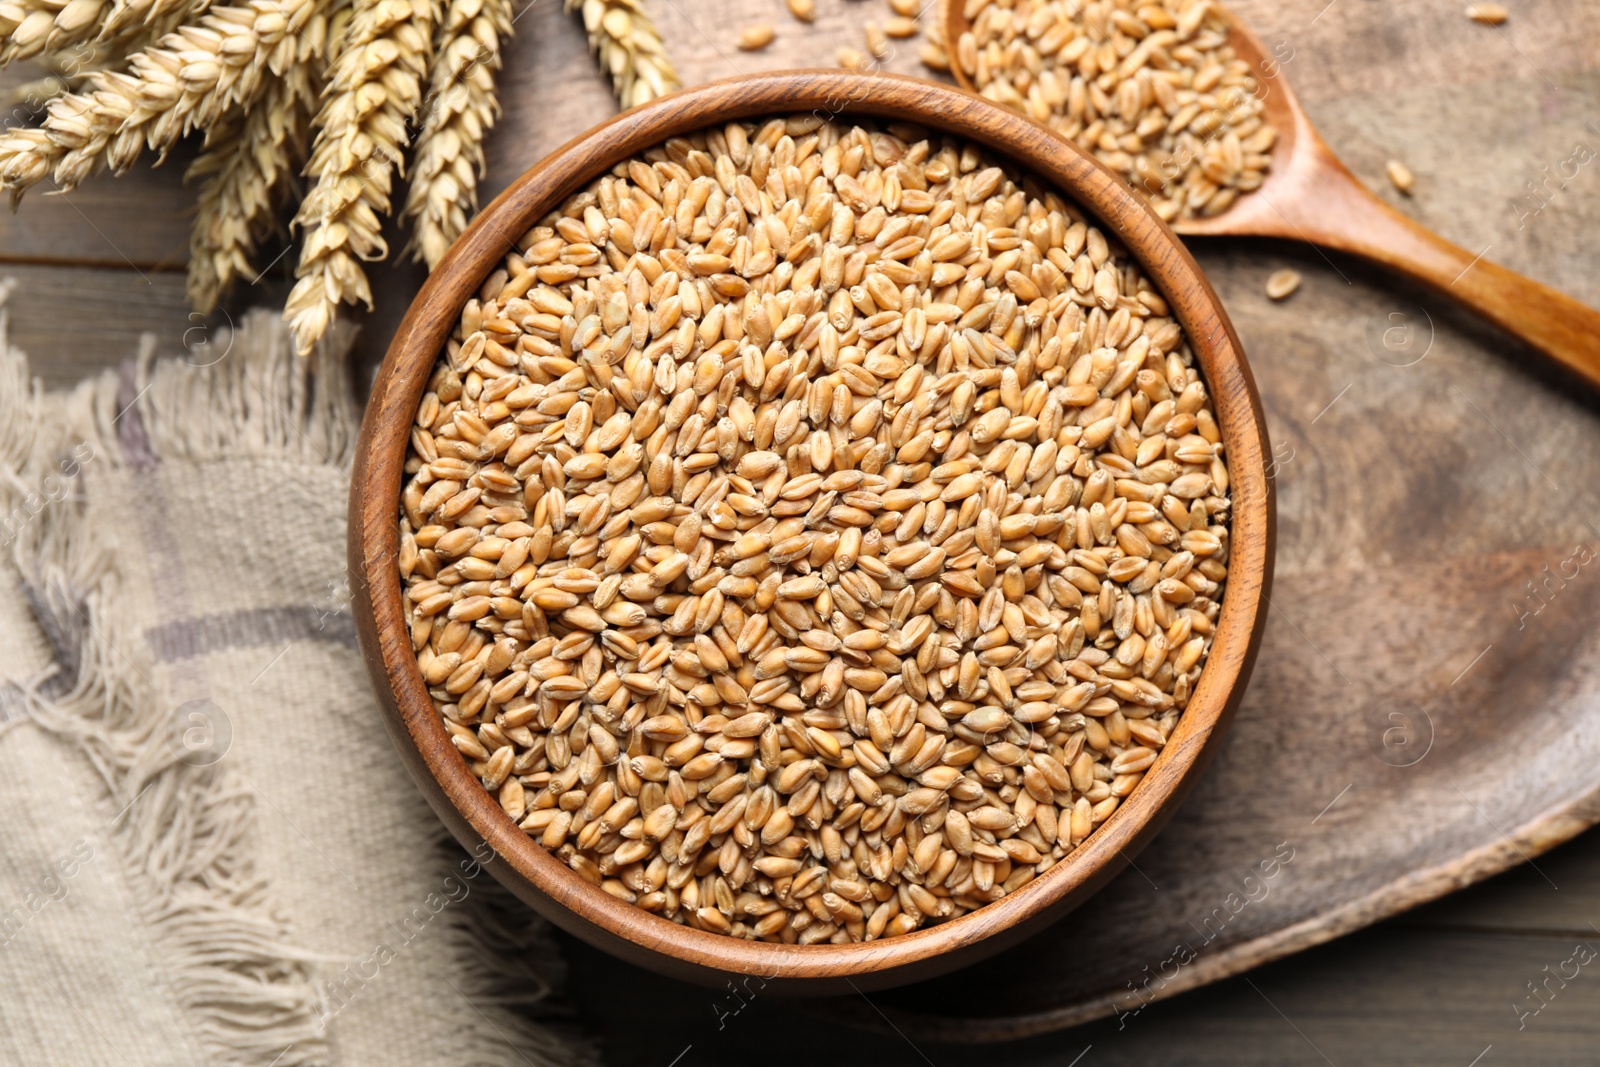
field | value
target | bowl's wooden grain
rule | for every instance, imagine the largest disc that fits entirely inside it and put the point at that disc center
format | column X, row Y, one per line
column 528, row 869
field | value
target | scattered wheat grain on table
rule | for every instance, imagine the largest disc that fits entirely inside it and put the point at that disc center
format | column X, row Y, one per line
column 1400, row 176
column 1281, row 284
column 755, row 38
column 1488, row 14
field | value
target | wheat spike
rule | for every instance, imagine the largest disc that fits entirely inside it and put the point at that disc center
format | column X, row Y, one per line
column 248, row 161
column 126, row 16
column 75, row 29
column 461, row 106
column 29, row 27
column 374, row 89
column 625, row 39
column 188, row 81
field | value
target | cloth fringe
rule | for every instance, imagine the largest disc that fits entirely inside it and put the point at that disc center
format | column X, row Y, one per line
column 238, row 394
column 182, row 838
column 514, row 970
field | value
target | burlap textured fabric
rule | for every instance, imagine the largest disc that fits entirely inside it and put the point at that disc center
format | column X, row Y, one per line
column 211, row 854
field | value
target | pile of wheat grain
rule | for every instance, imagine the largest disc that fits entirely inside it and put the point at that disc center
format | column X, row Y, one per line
column 813, row 531
column 1151, row 87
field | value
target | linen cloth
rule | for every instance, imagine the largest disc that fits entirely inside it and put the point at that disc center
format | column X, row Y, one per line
column 211, row 853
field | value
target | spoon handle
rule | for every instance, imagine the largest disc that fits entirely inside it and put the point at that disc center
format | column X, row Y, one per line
column 1347, row 217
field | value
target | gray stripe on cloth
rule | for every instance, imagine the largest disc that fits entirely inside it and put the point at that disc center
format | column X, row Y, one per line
column 160, row 543
column 131, row 434
column 13, row 705
column 14, row 698
column 248, row 628
column 56, row 625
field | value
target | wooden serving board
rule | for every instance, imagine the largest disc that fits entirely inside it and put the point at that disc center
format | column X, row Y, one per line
column 1419, row 718
column 1417, row 721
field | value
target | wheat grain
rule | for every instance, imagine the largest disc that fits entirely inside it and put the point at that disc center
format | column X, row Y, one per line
column 932, row 54
column 629, row 47
column 460, row 108
column 374, row 89
column 1488, row 14
column 755, row 38
column 823, row 529
column 1400, row 176
column 1153, row 90
column 804, row 10
column 877, row 40
column 1282, row 284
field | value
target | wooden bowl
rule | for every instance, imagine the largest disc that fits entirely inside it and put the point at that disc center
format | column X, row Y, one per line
column 545, row 882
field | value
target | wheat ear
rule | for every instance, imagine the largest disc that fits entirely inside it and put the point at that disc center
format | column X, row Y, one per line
column 461, row 106
column 189, row 80
column 629, row 47
column 374, row 89
column 248, row 162
column 33, row 27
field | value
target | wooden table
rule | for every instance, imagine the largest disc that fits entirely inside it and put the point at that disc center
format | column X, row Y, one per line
column 1476, row 112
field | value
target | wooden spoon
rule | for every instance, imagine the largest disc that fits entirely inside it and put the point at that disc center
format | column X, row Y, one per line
column 1308, row 195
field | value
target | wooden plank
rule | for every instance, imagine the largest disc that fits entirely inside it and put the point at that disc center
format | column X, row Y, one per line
column 1387, row 996
column 76, row 321
column 1346, row 48
column 140, row 220
column 1558, row 892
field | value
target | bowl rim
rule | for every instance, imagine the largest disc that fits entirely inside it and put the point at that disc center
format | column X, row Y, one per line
column 377, row 476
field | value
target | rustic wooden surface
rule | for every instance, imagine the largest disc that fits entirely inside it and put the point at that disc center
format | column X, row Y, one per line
column 1411, row 512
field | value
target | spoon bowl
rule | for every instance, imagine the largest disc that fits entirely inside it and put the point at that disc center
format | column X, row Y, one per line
column 1308, row 195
